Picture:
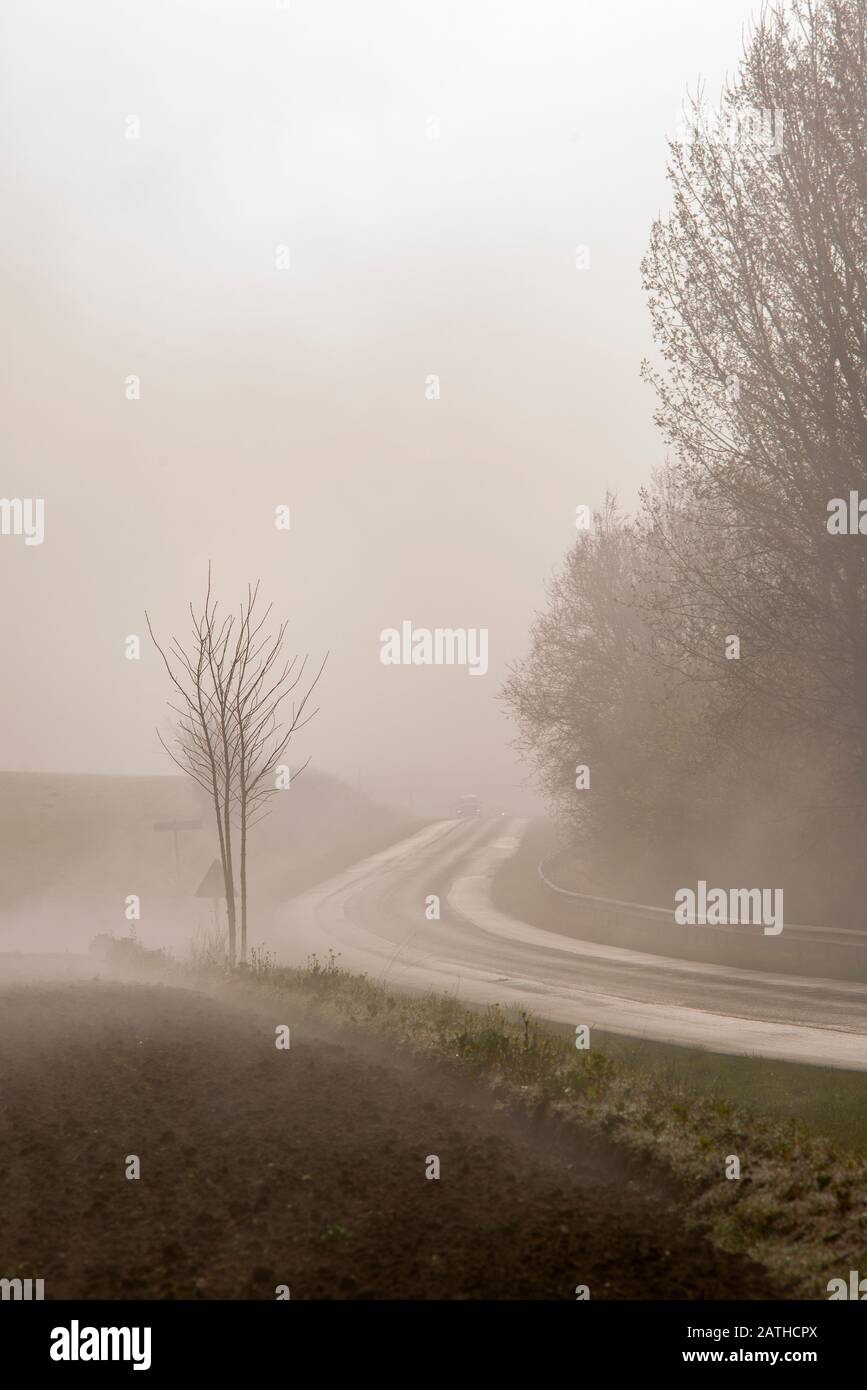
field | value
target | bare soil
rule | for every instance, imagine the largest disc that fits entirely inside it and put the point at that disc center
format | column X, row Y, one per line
column 305, row 1167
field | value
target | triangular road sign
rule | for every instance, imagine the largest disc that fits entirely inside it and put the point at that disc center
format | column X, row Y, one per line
column 213, row 884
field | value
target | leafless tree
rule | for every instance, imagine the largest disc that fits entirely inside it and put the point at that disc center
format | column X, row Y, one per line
column 230, row 682
column 758, row 295
column 260, row 730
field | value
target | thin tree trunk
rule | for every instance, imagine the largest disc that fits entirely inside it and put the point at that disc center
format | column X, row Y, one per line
column 243, row 880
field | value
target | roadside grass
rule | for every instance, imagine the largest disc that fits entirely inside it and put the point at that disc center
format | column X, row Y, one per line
column 827, row 1101
column 800, row 1204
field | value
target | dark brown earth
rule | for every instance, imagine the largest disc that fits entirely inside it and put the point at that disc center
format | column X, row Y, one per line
column 262, row 1167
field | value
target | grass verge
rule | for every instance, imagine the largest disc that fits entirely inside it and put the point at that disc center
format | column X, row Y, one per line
column 829, row 1102
column 800, row 1204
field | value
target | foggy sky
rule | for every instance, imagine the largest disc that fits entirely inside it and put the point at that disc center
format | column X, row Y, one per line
column 307, row 127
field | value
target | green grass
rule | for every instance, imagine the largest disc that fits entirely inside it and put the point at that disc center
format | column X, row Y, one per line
column 823, row 1101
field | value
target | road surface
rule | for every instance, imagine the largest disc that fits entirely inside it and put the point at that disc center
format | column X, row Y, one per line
column 373, row 915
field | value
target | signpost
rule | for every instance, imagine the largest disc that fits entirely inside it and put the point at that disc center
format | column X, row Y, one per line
column 174, row 826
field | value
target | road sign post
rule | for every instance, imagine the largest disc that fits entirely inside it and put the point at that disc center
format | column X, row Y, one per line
column 174, row 826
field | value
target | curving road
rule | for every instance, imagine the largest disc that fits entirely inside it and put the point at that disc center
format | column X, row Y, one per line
column 373, row 916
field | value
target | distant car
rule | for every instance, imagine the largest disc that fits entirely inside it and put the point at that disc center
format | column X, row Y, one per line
column 467, row 806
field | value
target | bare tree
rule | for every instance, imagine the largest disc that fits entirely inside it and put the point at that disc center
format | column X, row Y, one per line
column 758, row 294
column 758, row 298
column 590, row 693
column 230, row 682
column 260, row 731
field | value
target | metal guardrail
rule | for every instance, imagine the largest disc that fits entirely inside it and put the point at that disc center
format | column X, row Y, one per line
column 641, row 909
column 664, row 916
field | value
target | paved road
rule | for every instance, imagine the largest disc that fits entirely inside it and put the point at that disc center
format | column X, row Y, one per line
column 374, row 915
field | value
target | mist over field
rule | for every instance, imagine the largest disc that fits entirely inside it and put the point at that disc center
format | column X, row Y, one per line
column 433, row 778
column 73, row 847
column 309, row 127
